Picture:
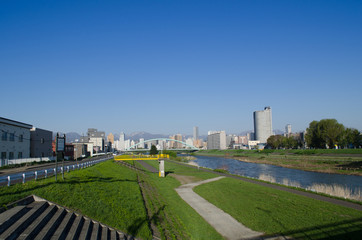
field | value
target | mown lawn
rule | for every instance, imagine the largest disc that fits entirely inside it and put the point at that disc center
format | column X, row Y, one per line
column 277, row 212
column 185, row 218
column 106, row 192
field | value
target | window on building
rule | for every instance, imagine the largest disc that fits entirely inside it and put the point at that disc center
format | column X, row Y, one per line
column 20, row 155
column 11, row 155
column 42, row 154
column 21, row 138
column 4, row 136
column 3, row 155
column 11, row 137
column 42, row 140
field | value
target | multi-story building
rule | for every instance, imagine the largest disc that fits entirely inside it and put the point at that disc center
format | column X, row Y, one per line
column 288, row 130
column 174, row 144
column 40, row 143
column 263, row 125
column 110, row 138
column 14, row 139
column 196, row 133
column 216, row 140
column 142, row 143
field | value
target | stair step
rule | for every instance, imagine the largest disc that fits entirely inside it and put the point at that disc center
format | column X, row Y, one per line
column 52, row 224
column 104, row 232
column 64, row 226
column 11, row 216
column 96, row 231
column 34, row 228
column 76, row 228
column 36, row 208
column 113, row 234
column 86, row 230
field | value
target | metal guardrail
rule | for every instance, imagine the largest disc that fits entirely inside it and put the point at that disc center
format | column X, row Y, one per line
column 44, row 173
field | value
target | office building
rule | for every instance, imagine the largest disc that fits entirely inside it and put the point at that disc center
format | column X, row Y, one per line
column 263, row 125
column 40, row 143
column 110, row 138
column 288, row 130
column 196, row 133
column 14, row 140
column 216, row 140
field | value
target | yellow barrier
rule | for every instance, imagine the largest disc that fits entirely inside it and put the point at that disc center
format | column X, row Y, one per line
column 140, row 157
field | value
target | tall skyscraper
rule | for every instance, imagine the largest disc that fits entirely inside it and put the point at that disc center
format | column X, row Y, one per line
column 263, row 124
column 288, row 129
column 196, row 133
column 121, row 141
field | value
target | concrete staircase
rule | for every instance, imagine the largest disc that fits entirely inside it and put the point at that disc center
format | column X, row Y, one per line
column 37, row 218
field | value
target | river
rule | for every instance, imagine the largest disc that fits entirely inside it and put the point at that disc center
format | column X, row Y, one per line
column 305, row 179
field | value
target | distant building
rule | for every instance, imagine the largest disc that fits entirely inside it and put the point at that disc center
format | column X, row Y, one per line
column 142, row 143
column 40, row 143
column 174, row 144
column 196, row 133
column 216, row 140
column 288, row 130
column 110, row 138
column 190, row 142
column 263, row 125
column 14, row 139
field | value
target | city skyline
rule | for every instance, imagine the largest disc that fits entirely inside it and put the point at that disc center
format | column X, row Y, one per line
column 166, row 67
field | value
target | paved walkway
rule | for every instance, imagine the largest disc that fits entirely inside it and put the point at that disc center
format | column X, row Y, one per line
column 223, row 223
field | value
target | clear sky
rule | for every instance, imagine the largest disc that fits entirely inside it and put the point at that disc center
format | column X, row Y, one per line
column 166, row 66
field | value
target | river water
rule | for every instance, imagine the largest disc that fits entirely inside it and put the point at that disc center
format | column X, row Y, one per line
column 255, row 170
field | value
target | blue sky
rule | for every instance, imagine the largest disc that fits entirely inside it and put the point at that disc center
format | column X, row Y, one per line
column 166, row 66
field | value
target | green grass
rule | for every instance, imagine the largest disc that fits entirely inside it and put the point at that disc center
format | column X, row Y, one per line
column 277, row 212
column 193, row 225
column 107, row 192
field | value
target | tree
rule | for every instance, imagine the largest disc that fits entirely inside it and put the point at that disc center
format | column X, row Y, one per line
column 153, row 150
column 326, row 132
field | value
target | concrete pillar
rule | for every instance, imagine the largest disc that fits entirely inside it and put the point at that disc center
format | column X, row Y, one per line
column 161, row 168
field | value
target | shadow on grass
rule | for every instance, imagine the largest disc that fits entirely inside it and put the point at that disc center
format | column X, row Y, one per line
column 349, row 229
column 139, row 222
column 351, row 166
column 73, row 180
column 168, row 172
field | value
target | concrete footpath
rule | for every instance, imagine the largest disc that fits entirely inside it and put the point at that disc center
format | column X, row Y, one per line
column 223, row 223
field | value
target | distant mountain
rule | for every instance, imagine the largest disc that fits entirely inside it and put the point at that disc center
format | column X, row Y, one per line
column 72, row 136
column 137, row 135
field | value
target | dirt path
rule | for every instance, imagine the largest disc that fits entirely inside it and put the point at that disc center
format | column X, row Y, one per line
column 223, row 223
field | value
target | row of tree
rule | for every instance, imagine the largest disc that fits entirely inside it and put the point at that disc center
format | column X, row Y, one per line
column 326, row 133
column 280, row 141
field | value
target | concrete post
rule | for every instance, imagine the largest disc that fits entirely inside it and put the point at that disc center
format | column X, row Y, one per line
column 161, row 168
column 36, row 175
column 46, row 173
column 8, row 181
column 23, row 178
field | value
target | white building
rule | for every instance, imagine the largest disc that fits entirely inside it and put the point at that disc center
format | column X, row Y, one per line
column 263, row 125
column 142, row 143
column 288, row 129
column 216, row 140
column 14, row 140
column 190, row 142
column 121, row 143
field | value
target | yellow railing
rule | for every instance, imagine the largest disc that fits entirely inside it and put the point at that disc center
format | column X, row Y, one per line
column 140, row 157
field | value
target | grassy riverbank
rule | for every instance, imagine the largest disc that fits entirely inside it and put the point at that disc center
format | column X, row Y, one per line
column 340, row 161
column 277, row 212
column 110, row 192
column 106, row 192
